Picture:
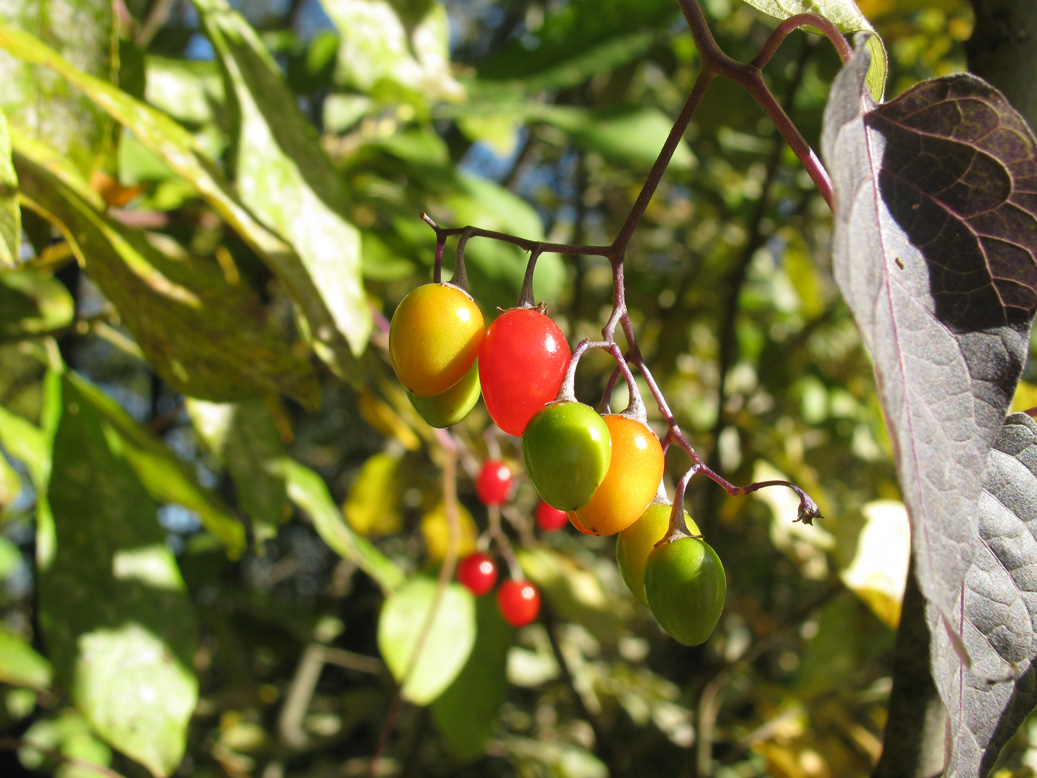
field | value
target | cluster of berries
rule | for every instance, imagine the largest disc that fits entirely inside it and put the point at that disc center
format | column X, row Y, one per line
column 601, row 471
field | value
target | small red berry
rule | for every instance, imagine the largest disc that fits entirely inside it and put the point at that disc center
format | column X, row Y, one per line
column 494, row 482
column 549, row 518
column 478, row 572
column 518, row 601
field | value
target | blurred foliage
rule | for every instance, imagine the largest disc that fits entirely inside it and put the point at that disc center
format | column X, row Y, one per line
column 215, row 205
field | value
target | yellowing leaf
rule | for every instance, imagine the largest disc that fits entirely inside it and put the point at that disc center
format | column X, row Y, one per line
column 372, row 506
column 879, row 568
column 436, row 530
column 1025, row 398
column 384, row 418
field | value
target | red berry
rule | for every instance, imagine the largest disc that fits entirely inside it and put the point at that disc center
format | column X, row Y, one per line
column 518, row 601
column 549, row 518
column 478, row 572
column 494, row 482
column 522, row 361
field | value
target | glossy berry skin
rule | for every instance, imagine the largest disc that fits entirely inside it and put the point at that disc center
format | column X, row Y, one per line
column 522, row 362
column 632, row 480
column 637, row 541
column 566, row 449
column 549, row 518
column 494, row 482
column 518, row 601
column 434, row 338
column 453, row 405
column 685, row 588
column 478, row 572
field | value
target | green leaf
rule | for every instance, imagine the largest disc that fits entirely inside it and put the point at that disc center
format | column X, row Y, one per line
column 845, row 15
column 319, row 301
column 31, row 303
column 166, row 476
column 310, row 494
column 579, row 40
column 39, row 102
column 426, row 652
column 69, row 735
column 10, row 213
column 466, row 711
column 205, row 336
column 24, row 441
column 245, row 440
column 20, row 665
column 283, row 174
column 117, row 620
column 629, row 135
column 372, row 505
column 395, row 50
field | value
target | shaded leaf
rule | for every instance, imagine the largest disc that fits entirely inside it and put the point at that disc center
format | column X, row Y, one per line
column 310, row 494
column 10, row 213
column 204, row 335
column 424, row 639
column 848, row 18
column 245, row 440
column 466, row 712
column 177, row 147
column 39, row 102
column 395, row 50
column 166, row 476
column 998, row 613
column 69, row 735
column 285, row 177
column 20, row 665
column 31, row 303
column 117, row 620
column 936, row 261
column 578, row 40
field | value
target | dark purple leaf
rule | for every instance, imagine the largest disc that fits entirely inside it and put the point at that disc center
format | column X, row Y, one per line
column 998, row 620
column 930, row 195
column 934, row 251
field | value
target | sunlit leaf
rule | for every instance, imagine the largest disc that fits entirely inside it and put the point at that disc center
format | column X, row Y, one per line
column 39, row 102
column 435, row 529
column 310, row 494
column 70, row 735
column 425, row 638
column 937, row 263
column 848, row 18
column 285, row 177
column 372, row 505
column 204, row 335
column 879, row 568
column 116, row 618
column 20, row 665
column 395, row 49
column 245, row 440
column 466, row 712
column 178, row 148
column 10, row 213
column 24, row 441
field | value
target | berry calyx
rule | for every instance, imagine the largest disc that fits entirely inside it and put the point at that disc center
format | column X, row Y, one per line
column 477, row 572
column 494, row 482
column 518, row 601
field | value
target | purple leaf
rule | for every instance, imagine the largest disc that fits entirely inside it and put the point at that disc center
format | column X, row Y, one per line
column 998, row 619
column 934, row 253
